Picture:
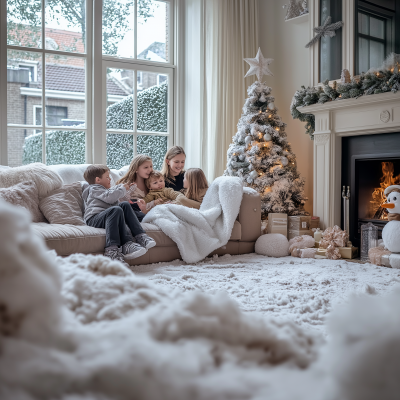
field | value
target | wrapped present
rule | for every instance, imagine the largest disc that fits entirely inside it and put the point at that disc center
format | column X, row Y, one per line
column 348, row 252
column 379, row 256
column 277, row 223
column 314, row 223
column 299, row 225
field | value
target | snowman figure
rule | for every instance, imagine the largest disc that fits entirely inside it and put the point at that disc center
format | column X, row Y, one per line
column 391, row 231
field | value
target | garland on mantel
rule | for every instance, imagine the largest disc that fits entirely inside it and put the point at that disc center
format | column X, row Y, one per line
column 372, row 82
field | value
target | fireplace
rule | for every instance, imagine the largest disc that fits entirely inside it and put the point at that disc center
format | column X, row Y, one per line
column 369, row 165
column 367, row 128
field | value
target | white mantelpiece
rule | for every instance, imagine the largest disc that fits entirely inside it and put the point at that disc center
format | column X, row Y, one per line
column 367, row 115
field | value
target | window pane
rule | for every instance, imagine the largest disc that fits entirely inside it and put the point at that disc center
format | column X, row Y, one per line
column 120, row 89
column 377, row 54
column 331, row 48
column 153, row 146
column 65, row 91
column 23, row 86
column 152, row 30
column 24, row 23
column 120, row 150
column 65, row 25
column 152, row 102
column 119, row 27
column 363, row 63
column 363, row 25
column 23, row 147
column 377, row 28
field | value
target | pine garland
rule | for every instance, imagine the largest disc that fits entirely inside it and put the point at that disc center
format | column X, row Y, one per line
column 367, row 84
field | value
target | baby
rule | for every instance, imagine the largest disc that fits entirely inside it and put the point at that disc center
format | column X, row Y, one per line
column 157, row 190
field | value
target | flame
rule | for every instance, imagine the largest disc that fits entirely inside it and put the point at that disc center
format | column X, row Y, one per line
column 378, row 195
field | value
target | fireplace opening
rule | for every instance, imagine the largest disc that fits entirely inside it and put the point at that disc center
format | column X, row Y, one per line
column 373, row 176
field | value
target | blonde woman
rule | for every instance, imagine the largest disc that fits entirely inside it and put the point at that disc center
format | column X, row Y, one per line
column 195, row 187
column 173, row 168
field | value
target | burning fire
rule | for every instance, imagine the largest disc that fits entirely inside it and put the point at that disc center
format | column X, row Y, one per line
column 378, row 196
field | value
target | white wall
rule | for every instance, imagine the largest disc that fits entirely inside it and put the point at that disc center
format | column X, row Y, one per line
column 284, row 42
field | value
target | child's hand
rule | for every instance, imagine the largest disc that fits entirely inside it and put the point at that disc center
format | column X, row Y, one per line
column 127, row 186
column 142, row 205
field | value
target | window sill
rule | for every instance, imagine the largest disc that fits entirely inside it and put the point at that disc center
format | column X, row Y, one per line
column 299, row 20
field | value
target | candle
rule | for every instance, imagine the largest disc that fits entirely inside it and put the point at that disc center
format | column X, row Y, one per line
column 318, row 235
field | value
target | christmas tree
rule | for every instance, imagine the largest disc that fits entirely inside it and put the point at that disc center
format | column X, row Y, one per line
column 260, row 153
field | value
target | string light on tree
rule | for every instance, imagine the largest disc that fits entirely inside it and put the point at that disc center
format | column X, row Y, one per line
column 262, row 140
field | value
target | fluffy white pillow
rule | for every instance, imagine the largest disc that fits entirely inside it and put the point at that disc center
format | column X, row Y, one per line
column 45, row 179
column 24, row 194
column 272, row 245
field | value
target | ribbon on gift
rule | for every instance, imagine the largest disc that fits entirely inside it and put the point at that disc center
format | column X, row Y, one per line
column 333, row 238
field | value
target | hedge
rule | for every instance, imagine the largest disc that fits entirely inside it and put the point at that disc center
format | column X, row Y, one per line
column 68, row 147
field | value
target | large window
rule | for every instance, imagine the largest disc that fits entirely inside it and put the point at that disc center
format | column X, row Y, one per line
column 375, row 38
column 52, row 86
column 137, row 84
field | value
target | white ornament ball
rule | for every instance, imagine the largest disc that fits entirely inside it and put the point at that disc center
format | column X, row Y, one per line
column 249, row 180
column 272, row 245
column 271, row 106
column 248, row 139
column 263, row 99
column 284, row 161
column 242, row 157
column 391, row 236
column 267, row 137
column 253, row 174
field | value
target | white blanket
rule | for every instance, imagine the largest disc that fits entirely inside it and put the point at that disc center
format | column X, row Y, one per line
column 199, row 232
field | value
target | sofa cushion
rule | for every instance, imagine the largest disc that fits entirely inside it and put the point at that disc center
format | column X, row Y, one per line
column 45, row 179
column 69, row 239
column 24, row 194
column 64, row 205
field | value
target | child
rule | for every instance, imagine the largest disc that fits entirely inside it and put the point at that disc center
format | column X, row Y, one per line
column 103, row 211
column 195, row 185
column 173, row 168
column 157, row 190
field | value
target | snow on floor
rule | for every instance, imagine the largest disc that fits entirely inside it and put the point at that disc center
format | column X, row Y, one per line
column 303, row 290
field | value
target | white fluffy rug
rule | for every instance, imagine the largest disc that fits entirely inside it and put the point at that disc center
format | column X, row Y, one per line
column 304, row 290
column 85, row 327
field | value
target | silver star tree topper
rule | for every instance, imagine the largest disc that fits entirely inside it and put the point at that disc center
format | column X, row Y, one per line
column 259, row 66
column 327, row 29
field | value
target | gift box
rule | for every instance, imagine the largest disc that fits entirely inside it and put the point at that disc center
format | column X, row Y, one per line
column 348, row 252
column 314, row 223
column 299, row 225
column 277, row 223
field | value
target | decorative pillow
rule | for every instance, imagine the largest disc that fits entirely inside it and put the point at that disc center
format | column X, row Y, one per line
column 64, row 205
column 24, row 194
column 45, row 179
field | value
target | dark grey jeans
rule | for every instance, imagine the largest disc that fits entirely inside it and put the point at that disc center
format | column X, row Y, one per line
column 113, row 220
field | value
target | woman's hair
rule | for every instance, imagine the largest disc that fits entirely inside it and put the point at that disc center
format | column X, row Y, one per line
column 137, row 161
column 171, row 153
column 95, row 171
column 196, row 182
column 152, row 176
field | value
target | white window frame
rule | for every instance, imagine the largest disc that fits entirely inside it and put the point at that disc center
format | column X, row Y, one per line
column 95, row 83
column 100, row 65
column 4, row 125
column 348, row 58
column 135, row 68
